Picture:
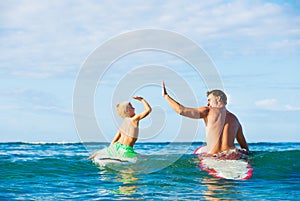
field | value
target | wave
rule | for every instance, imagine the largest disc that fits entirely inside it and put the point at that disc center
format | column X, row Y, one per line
column 153, row 147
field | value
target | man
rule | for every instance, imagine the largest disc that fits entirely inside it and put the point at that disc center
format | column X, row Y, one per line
column 222, row 127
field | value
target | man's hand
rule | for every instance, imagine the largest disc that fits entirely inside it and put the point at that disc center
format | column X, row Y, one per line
column 164, row 91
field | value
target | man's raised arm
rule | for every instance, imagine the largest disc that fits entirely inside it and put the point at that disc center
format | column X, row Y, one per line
column 195, row 113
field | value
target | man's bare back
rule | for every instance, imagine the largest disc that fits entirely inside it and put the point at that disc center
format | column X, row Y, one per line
column 222, row 127
column 224, row 133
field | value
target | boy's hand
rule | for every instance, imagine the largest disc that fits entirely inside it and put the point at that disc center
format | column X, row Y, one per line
column 138, row 98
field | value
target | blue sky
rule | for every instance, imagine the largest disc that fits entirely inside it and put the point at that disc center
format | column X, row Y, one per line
column 255, row 46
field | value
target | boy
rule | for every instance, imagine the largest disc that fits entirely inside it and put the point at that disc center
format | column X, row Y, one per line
column 123, row 142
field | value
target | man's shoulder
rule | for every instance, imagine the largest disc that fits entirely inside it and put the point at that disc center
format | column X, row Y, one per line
column 230, row 113
column 231, row 116
column 204, row 109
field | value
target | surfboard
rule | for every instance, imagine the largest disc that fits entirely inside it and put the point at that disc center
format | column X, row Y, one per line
column 110, row 156
column 225, row 167
column 104, row 162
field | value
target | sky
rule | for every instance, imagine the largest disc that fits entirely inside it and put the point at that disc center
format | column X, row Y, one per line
column 44, row 45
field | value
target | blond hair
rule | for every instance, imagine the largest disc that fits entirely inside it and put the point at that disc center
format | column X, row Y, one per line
column 122, row 109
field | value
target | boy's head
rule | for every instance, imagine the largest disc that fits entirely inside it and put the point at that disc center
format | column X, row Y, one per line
column 122, row 109
column 125, row 109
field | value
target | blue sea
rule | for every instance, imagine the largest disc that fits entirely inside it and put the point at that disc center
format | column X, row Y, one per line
column 59, row 171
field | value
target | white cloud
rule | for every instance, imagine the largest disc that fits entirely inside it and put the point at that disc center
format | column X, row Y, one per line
column 266, row 103
column 55, row 109
column 291, row 108
column 286, row 44
column 272, row 104
column 23, row 99
column 51, row 39
column 38, row 36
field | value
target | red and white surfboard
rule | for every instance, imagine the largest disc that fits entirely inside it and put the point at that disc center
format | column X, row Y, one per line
column 224, row 166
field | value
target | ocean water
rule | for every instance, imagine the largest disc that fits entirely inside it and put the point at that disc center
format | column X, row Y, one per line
column 58, row 171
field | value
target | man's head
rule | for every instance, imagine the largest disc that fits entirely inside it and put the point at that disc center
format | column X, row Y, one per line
column 215, row 97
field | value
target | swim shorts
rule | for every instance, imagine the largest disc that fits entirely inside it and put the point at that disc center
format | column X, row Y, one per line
column 122, row 150
column 117, row 151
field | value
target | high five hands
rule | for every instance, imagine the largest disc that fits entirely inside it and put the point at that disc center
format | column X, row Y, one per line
column 164, row 91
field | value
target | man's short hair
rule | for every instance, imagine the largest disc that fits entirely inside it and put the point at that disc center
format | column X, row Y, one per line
column 219, row 93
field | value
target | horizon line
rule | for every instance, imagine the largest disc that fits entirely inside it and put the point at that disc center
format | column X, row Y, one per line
column 154, row 142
